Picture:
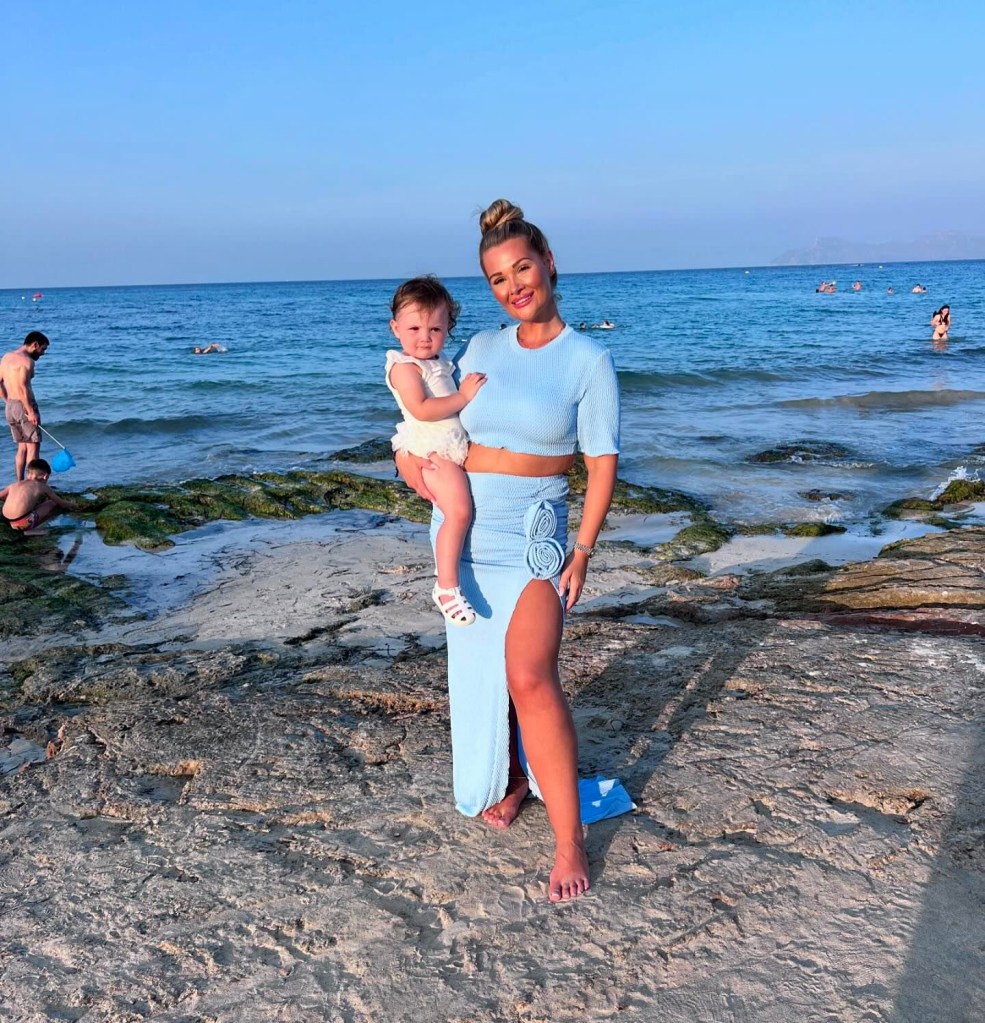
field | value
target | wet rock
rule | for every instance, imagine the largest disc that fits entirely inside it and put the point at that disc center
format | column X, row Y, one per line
column 962, row 490
column 698, row 538
column 924, row 510
column 149, row 517
column 19, row 753
column 147, row 524
column 758, row 528
column 802, row 451
column 369, row 451
column 813, row 529
column 637, row 497
column 812, row 567
column 826, row 495
column 36, row 596
column 667, row 574
column 942, row 574
column 909, row 507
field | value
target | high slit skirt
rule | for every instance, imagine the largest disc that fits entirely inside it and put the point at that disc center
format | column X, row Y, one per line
column 519, row 532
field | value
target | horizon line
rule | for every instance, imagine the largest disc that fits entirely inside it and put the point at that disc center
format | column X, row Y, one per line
column 579, row 273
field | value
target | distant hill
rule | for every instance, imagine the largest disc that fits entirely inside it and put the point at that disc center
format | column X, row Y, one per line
column 943, row 245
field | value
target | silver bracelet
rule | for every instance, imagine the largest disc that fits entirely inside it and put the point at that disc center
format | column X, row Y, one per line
column 584, row 548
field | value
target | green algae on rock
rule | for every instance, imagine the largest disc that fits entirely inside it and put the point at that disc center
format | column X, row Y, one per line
column 801, row 451
column 917, row 505
column 637, row 497
column 962, row 490
column 813, row 529
column 148, row 517
column 35, row 599
column 701, row 537
column 368, row 452
column 627, row 497
column 758, row 528
column 347, row 490
column 925, row 510
column 147, row 525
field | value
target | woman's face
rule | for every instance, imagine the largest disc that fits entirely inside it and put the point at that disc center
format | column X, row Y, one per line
column 520, row 279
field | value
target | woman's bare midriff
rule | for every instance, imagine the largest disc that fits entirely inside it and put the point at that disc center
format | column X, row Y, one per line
column 514, row 463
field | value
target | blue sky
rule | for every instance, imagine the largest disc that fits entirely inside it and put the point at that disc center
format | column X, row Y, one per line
column 162, row 142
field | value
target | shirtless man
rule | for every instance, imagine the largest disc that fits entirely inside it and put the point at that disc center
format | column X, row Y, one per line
column 28, row 503
column 16, row 374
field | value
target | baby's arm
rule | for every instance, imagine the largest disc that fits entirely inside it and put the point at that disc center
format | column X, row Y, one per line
column 406, row 379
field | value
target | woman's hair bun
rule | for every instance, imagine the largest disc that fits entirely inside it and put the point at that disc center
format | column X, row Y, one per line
column 501, row 212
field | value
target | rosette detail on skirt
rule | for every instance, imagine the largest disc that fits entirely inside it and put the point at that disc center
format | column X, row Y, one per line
column 544, row 555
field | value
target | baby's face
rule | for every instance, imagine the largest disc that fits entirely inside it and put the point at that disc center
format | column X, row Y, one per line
column 421, row 332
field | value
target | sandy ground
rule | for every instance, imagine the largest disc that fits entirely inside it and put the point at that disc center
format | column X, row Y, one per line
column 237, row 807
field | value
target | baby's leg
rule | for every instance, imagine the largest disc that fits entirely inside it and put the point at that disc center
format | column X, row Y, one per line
column 451, row 494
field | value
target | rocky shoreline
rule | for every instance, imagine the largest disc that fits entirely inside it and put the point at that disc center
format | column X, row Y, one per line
column 237, row 808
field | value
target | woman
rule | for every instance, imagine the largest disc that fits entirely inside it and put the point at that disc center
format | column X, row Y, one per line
column 548, row 389
column 941, row 322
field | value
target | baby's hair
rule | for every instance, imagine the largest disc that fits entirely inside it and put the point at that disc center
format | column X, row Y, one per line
column 429, row 293
column 502, row 222
column 39, row 465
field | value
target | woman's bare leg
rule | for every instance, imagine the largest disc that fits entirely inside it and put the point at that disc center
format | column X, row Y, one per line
column 550, row 743
column 504, row 813
column 450, row 488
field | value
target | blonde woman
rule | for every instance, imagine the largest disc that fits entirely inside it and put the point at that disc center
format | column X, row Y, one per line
column 550, row 390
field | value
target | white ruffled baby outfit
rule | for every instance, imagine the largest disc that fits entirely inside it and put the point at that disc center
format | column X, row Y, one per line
column 445, row 437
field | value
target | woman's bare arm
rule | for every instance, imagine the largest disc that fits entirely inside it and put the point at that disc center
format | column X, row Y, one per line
column 410, row 468
column 598, row 497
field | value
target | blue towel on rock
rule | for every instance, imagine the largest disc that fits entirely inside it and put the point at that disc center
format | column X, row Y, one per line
column 602, row 798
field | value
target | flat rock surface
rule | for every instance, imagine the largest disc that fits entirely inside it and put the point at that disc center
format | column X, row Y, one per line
column 240, row 811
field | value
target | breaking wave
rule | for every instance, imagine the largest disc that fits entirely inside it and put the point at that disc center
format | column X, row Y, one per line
column 898, row 401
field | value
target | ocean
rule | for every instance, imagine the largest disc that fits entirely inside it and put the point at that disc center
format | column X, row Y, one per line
column 715, row 367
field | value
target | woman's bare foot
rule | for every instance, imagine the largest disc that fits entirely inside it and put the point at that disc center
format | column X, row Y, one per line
column 569, row 878
column 503, row 813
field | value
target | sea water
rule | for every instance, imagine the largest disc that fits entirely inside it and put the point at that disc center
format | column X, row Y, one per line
column 715, row 366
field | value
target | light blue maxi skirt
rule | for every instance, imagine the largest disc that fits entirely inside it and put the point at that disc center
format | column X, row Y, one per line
column 519, row 532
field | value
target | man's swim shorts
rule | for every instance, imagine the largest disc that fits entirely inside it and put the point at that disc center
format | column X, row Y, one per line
column 21, row 428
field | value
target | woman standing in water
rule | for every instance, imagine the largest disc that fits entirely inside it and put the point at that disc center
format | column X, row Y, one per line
column 549, row 390
column 941, row 322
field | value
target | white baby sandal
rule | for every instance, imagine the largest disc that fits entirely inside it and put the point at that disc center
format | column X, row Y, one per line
column 458, row 610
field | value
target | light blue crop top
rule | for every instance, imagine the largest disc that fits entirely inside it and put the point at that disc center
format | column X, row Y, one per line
column 541, row 401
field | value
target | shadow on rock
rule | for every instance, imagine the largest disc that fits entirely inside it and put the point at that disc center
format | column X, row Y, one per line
column 943, row 980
